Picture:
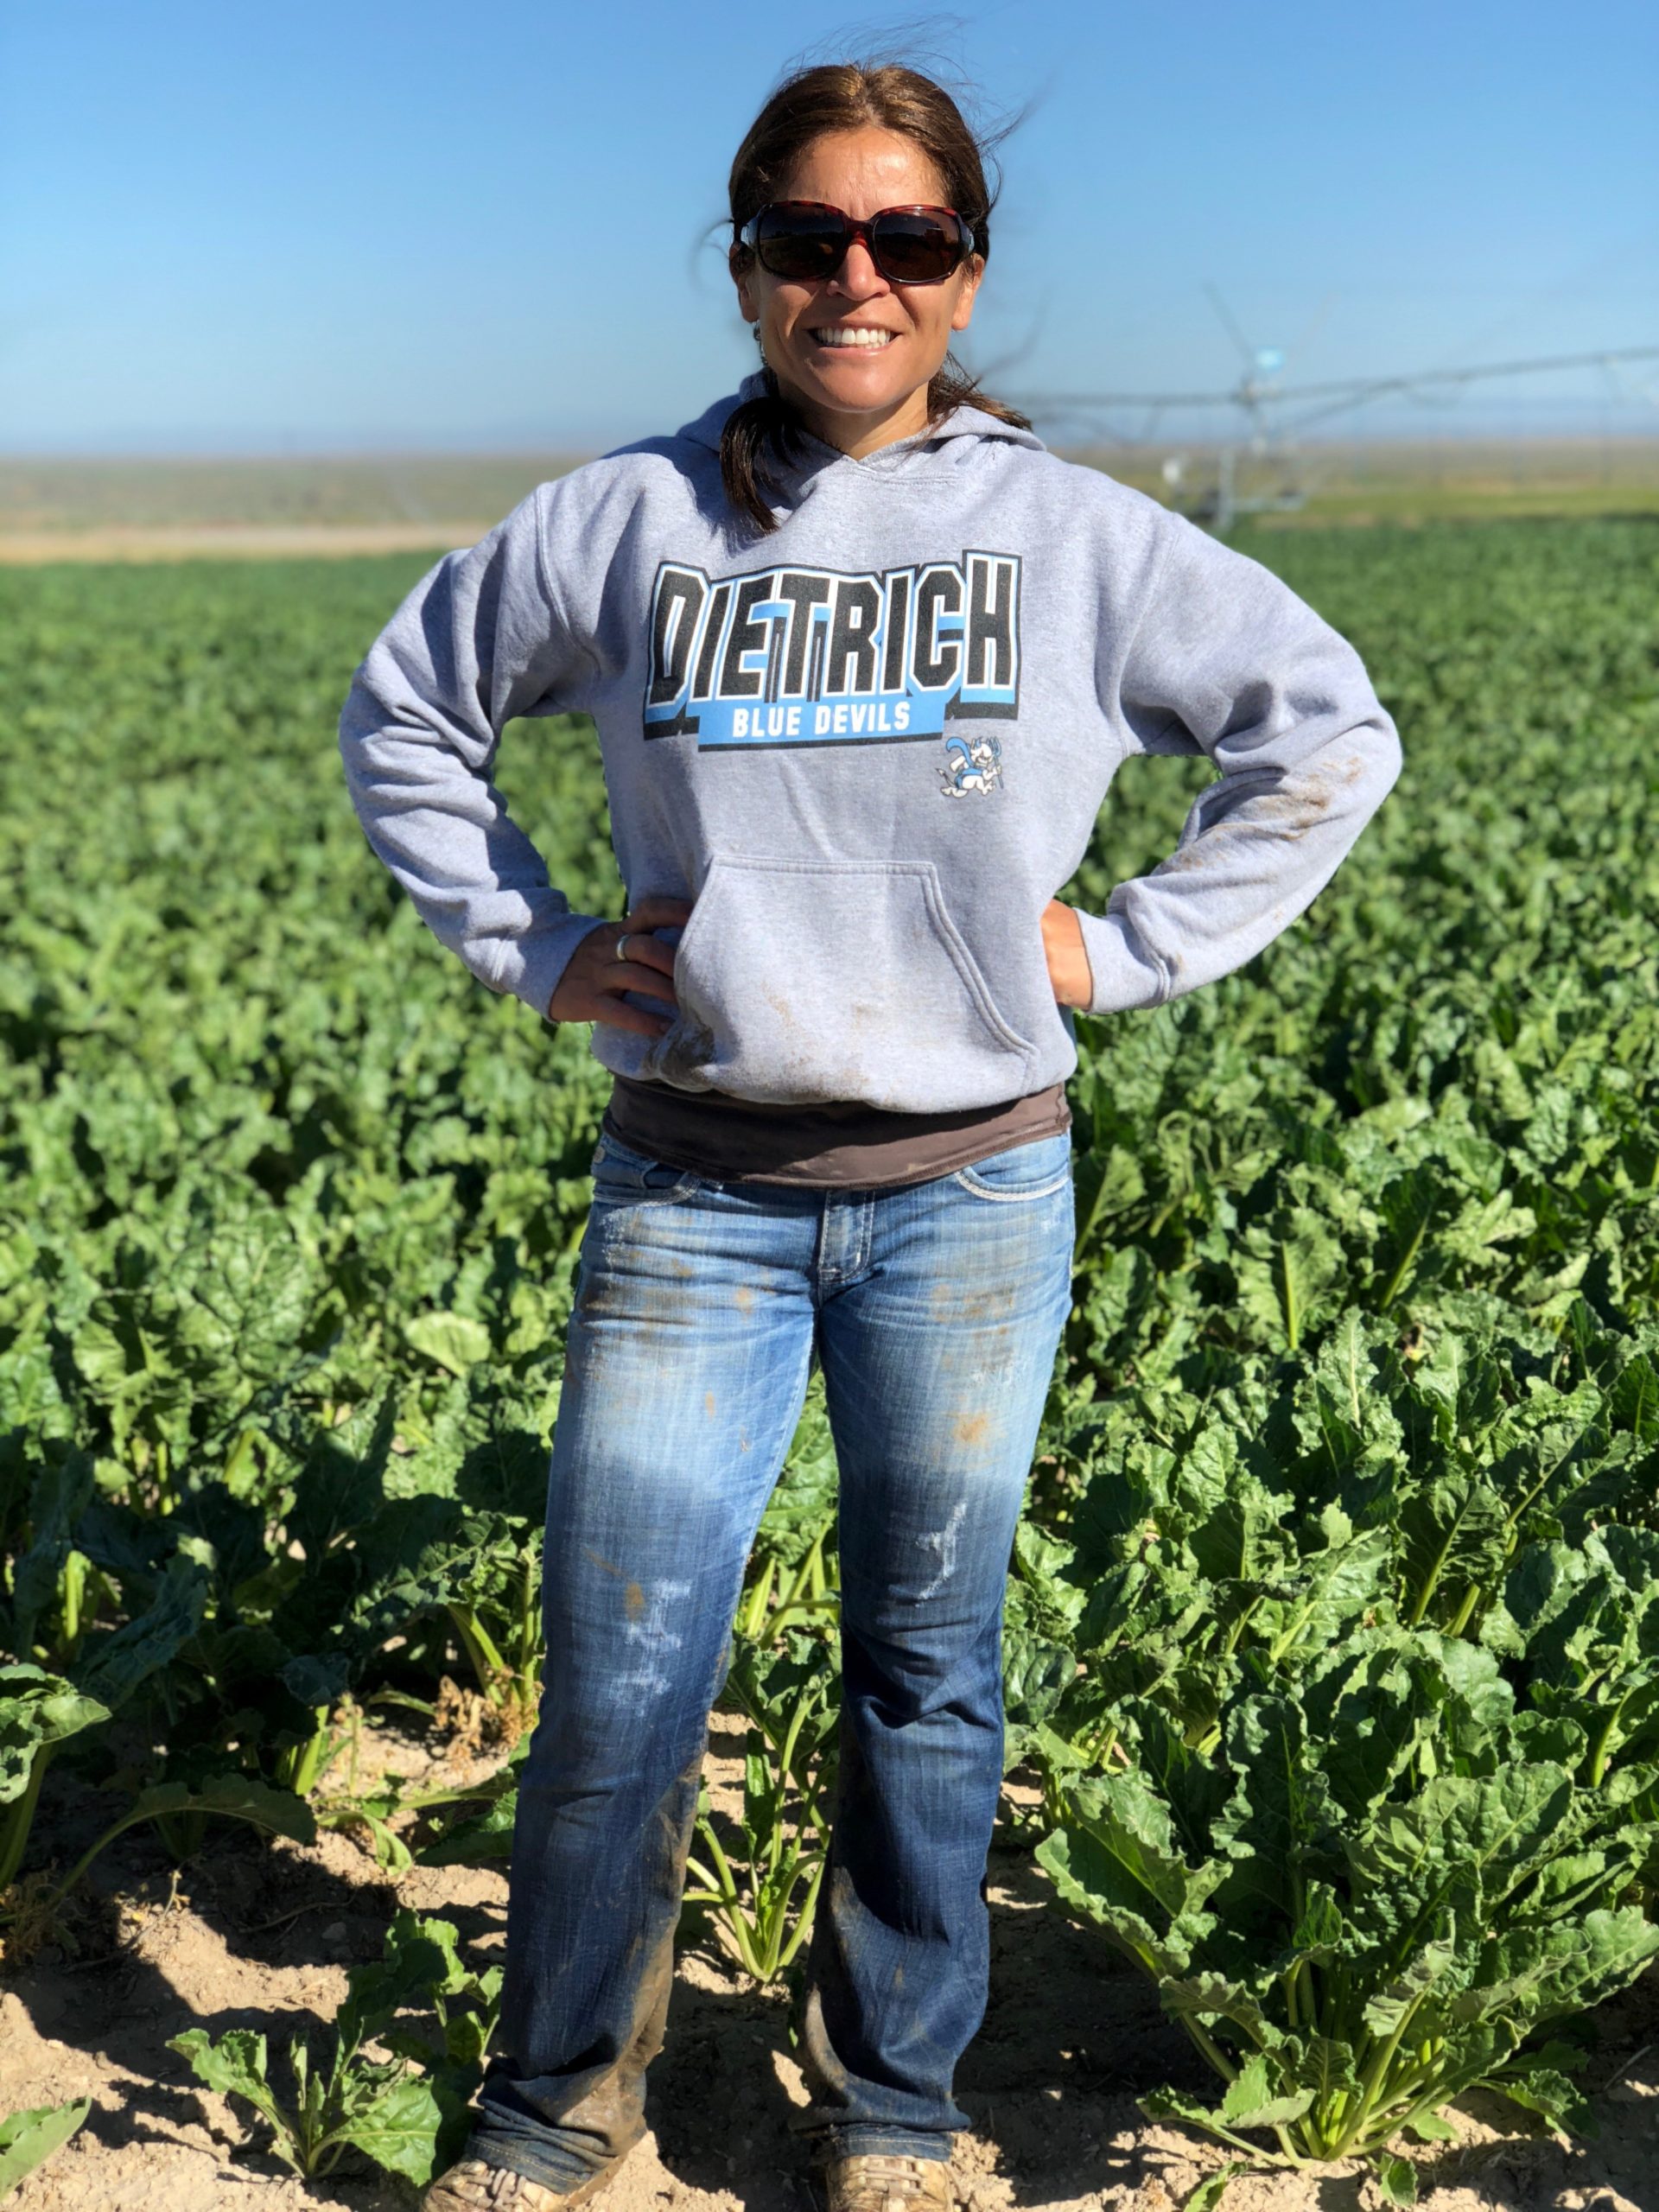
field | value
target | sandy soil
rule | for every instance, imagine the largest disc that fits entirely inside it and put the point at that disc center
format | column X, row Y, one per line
column 259, row 1936
column 232, row 540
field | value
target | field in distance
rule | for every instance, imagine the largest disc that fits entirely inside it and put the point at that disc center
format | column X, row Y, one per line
column 59, row 509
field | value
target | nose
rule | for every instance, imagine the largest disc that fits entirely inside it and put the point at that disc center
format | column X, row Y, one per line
column 858, row 276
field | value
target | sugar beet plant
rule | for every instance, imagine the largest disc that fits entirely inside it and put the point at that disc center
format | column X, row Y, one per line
column 283, row 1254
column 757, row 1874
column 406, row 2110
column 1352, row 1743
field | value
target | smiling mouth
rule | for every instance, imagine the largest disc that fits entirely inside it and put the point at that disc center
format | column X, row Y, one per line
column 853, row 338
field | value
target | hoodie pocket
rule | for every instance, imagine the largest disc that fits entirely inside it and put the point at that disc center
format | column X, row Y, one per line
column 801, row 982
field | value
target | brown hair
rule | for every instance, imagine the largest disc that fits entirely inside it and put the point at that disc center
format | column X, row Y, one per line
column 845, row 96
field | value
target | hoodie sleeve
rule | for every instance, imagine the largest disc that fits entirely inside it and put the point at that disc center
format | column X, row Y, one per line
column 1226, row 660
column 478, row 642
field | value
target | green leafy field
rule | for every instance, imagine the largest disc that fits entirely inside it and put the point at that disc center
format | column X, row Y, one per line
column 1332, row 1639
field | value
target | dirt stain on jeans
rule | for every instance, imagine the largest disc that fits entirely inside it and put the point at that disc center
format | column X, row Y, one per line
column 648, row 1305
column 612, row 2109
column 962, row 1303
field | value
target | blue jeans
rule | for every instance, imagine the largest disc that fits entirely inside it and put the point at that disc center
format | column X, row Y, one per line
column 935, row 1312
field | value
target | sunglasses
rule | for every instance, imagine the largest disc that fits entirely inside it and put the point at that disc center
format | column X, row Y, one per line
column 804, row 240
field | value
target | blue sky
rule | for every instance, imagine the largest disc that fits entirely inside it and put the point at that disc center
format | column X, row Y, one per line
column 395, row 224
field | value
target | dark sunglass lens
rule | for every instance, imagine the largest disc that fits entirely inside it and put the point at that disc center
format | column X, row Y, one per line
column 914, row 249
column 800, row 243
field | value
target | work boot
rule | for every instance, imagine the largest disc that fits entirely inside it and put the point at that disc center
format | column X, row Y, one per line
column 878, row 2183
column 475, row 2186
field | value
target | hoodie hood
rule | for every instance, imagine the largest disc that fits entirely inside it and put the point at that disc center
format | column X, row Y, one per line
column 961, row 422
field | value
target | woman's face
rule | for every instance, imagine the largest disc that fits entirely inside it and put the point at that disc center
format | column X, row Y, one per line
column 860, row 396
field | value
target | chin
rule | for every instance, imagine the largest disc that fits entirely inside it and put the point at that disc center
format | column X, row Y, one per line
column 856, row 388
column 864, row 396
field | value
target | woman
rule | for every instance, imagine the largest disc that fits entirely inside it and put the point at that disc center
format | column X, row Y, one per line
column 862, row 657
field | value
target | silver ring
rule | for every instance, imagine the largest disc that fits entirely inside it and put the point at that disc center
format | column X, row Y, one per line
column 622, row 944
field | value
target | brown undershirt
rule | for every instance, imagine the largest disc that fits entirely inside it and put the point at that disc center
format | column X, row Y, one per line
column 846, row 1145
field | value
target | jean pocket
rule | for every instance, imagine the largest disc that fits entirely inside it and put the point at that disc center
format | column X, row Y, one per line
column 1023, row 1172
column 802, row 981
column 626, row 1178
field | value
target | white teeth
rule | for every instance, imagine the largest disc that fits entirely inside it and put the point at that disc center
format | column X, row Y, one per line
column 848, row 334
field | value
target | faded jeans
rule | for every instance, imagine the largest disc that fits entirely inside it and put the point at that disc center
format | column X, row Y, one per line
column 934, row 1311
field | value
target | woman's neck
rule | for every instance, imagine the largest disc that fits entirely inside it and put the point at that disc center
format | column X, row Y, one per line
column 859, row 436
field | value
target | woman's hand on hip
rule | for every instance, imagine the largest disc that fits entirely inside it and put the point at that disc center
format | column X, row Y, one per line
column 597, row 974
column 1069, row 972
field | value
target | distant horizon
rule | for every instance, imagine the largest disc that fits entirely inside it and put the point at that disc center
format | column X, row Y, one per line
column 1403, row 436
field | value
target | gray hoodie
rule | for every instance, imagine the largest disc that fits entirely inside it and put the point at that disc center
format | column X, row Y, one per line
column 870, row 747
